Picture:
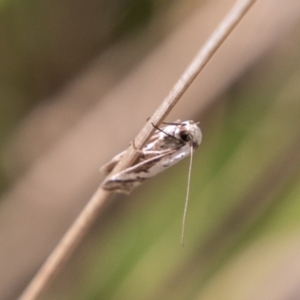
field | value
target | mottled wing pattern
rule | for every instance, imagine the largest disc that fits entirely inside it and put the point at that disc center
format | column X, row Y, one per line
column 166, row 147
column 128, row 179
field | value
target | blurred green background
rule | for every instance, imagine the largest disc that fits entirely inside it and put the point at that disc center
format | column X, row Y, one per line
column 44, row 44
column 243, row 227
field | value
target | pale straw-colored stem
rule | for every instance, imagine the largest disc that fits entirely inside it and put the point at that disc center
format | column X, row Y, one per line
column 80, row 226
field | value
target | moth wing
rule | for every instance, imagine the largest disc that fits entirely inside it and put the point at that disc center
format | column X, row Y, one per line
column 108, row 167
column 153, row 138
column 126, row 180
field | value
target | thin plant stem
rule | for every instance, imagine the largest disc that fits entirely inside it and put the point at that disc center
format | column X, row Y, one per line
column 89, row 213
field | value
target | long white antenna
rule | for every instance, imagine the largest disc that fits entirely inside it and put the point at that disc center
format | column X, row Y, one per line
column 187, row 198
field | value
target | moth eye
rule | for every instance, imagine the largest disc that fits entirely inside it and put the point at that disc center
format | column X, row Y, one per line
column 185, row 136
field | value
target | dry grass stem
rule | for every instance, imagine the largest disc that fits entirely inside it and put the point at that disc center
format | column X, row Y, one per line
column 92, row 209
column 197, row 64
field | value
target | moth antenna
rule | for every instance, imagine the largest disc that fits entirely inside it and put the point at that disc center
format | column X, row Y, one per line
column 187, row 197
column 170, row 135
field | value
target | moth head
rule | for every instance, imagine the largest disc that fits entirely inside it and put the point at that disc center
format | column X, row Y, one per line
column 189, row 132
column 185, row 136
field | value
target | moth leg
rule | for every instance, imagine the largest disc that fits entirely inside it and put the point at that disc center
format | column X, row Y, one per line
column 108, row 167
column 147, row 152
column 135, row 147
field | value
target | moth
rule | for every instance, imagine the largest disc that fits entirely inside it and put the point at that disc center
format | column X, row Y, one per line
column 167, row 146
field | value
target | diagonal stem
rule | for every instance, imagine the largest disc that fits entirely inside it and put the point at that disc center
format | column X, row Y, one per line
column 81, row 225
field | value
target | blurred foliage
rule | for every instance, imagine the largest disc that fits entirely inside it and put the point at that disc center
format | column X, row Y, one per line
column 245, row 190
column 43, row 44
column 244, row 201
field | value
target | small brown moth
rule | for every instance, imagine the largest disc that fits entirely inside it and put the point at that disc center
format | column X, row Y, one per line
column 166, row 147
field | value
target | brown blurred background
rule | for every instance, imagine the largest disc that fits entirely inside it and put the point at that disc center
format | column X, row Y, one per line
column 78, row 79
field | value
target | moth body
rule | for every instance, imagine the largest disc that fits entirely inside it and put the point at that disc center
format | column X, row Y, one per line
column 166, row 147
